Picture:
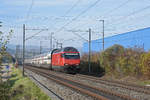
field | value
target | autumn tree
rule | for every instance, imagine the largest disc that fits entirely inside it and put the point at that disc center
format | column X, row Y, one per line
column 145, row 65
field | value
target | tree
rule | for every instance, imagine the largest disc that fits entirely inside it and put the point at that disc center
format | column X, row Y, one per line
column 109, row 57
column 4, row 40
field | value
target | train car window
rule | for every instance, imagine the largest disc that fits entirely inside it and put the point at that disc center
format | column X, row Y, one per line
column 49, row 57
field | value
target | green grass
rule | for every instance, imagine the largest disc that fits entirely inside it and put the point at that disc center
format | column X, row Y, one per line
column 22, row 88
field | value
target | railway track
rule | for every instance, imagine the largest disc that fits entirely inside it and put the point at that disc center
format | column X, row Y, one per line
column 133, row 87
column 97, row 93
column 137, row 88
column 135, row 91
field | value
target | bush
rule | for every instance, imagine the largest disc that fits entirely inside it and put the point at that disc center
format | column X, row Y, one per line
column 145, row 64
column 109, row 57
column 4, row 91
column 130, row 62
column 120, row 61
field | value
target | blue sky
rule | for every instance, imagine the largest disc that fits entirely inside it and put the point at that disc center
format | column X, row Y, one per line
column 120, row 16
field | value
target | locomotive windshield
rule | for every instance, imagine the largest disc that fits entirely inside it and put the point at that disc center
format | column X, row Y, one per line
column 71, row 55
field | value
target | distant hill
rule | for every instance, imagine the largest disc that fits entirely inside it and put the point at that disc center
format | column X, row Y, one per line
column 11, row 51
column 30, row 50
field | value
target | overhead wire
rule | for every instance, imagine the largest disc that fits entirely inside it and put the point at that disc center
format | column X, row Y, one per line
column 84, row 11
column 33, row 35
column 79, row 36
column 73, row 6
column 27, row 15
column 119, row 6
column 114, row 9
column 76, row 17
column 69, row 10
column 29, row 10
column 138, row 18
column 124, row 26
column 117, row 21
column 133, row 13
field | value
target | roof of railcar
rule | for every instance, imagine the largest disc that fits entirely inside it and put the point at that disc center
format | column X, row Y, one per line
column 66, row 49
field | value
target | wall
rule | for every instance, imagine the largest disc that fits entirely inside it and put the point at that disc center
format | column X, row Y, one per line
column 140, row 38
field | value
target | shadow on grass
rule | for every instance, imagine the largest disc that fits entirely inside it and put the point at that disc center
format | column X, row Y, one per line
column 12, row 82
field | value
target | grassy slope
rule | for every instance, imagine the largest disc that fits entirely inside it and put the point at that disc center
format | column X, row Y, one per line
column 24, row 89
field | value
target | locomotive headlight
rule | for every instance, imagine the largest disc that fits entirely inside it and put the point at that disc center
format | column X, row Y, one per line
column 66, row 64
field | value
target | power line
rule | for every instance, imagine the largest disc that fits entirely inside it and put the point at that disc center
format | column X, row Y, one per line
column 146, row 15
column 78, row 15
column 114, row 9
column 75, row 18
column 125, row 17
column 69, row 10
column 121, row 5
column 79, row 36
column 29, row 11
column 35, row 34
column 133, row 13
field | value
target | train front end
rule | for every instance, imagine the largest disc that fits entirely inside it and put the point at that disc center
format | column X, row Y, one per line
column 71, row 61
column 66, row 59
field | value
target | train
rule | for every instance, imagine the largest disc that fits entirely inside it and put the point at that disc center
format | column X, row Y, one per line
column 66, row 60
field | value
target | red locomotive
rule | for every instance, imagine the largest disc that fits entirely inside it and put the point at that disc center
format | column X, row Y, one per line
column 66, row 59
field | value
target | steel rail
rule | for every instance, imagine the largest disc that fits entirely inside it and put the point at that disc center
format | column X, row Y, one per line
column 128, row 86
column 106, row 93
column 133, row 87
column 98, row 97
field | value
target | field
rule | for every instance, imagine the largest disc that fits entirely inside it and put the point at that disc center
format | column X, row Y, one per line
column 20, row 88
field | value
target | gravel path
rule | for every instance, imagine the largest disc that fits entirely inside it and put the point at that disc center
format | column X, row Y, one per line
column 63, row 91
